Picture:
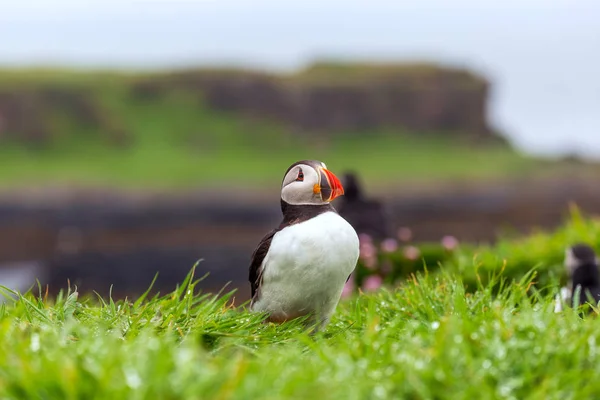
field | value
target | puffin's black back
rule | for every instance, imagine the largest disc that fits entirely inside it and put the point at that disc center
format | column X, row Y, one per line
column 588, row 277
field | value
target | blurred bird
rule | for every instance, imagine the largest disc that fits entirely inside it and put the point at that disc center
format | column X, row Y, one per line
column 582, row 267
column 300, row 268
column 365, row 215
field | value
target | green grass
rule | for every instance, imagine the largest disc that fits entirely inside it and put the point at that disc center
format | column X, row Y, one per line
column 513, row 254
column 382, row 161
column 178, row 142
column 429, row 338
column 542, row 250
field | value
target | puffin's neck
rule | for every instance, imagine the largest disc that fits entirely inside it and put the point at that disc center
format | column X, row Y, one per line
column 297, row 213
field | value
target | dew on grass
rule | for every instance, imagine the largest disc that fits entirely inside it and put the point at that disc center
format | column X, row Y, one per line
column 501, row 353
column 132, row 378
column 35, row 342
column 376, row 374
column 592, row 345
column 380, row 391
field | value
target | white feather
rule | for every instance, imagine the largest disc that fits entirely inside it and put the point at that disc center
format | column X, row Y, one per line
column 562, row 297
column 306, row 268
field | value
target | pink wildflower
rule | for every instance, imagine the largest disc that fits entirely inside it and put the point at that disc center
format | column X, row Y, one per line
column 364, row 238
column 389, row 245
column 367, row 250
column 372, row 283
column 411, row 253
column 449, row 242
column 404, row 234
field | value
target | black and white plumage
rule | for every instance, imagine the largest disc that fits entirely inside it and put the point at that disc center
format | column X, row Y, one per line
column 582, row 267
column 300, row 268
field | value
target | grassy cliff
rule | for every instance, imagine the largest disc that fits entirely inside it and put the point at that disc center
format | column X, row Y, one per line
column 107, row 128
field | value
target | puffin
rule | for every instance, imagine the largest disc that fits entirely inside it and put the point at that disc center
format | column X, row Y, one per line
column 581, row 264
column 299, row 269
column 366, row 215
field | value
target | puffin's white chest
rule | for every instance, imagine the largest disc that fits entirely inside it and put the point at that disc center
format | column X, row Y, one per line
column 307, row 265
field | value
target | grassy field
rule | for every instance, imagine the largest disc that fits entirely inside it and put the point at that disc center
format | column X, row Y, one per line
column 384, row 160
column 430, row 338
column 176, row 141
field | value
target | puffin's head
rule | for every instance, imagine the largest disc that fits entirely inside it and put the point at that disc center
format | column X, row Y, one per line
column 577, row 255
column 309, row 182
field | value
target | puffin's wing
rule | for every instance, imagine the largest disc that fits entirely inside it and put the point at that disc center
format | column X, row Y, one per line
column 256, row 263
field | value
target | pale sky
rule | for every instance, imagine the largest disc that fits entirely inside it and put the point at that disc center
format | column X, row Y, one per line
column 542, row 55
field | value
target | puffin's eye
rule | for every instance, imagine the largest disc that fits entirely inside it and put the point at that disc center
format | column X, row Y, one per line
column 300, row 177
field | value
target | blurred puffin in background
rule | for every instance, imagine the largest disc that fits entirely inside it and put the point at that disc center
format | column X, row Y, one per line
column 365, row 215
column 300, row 268
column 581, row 264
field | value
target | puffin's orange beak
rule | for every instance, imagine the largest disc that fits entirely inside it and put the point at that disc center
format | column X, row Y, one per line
column 331, row 187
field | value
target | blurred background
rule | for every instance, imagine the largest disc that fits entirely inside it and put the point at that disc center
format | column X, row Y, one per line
column 138, row 137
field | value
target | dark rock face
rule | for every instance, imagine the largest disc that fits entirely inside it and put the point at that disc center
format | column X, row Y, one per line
column 28, row 115
column 18, row 120
column 257, row 96
column 425, row 99
column 440, row 100
column 444, row 100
